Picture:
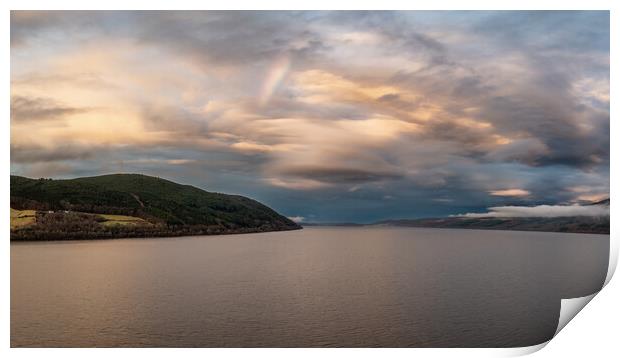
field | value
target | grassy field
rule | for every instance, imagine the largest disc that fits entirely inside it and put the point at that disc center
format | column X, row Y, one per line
column 21, row 218
column 122, row 220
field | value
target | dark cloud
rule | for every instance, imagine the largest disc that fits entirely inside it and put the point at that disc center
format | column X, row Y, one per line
column 29, row 108
column 555, row 124
column 26, row 24
column 229, row 37
column 37, row 154
column 339, row 175
column 390, row 97
column 395, row 25
column 563, row 30
column 50, row 25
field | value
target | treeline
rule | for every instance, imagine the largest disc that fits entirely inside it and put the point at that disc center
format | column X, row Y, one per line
column 150, row 198
column 83, row 226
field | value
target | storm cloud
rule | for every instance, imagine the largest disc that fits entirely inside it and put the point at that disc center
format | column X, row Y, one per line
column 325, row 115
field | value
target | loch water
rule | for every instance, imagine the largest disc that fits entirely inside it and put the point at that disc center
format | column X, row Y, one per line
column 316, row 287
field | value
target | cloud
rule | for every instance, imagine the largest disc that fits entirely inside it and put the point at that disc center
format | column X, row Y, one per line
column 388, row 97
column 28, row 108
column 180, row 161
column 296, row 108
column 159, row 161
column 509, row 192
column 37, row 154
column 222, row 41
column 547, row 211
column 296, row 184
column 252, row 147
column 297, row 219
column 339, row 175
column 48, row 170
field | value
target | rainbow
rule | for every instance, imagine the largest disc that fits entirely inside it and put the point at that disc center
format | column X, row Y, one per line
column 277, row 72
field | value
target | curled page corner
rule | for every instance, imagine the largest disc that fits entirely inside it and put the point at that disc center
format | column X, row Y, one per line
column 613, row 258
column 522, row 351
column 569, row 309
column 571, row 306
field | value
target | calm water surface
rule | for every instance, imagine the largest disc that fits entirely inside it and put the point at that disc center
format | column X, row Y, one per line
column 391, row 287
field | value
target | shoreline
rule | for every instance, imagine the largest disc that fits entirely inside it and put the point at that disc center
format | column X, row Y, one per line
column 456, row 228
column 301, row 227
column 86, row 237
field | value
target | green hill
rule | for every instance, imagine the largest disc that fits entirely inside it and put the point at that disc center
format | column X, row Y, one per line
column 170, row 208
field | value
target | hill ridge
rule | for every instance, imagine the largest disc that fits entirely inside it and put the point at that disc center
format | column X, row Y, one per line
column 173, row 208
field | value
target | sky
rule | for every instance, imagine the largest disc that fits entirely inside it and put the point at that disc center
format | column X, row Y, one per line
column 346, row 116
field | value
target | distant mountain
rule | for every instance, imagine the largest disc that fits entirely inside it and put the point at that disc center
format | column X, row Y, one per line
column 575, row 224
column 331, row 224
column 166, row 208
column 604, row 202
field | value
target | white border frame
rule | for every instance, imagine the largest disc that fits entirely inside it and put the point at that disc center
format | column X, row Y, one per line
column 598, row 326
